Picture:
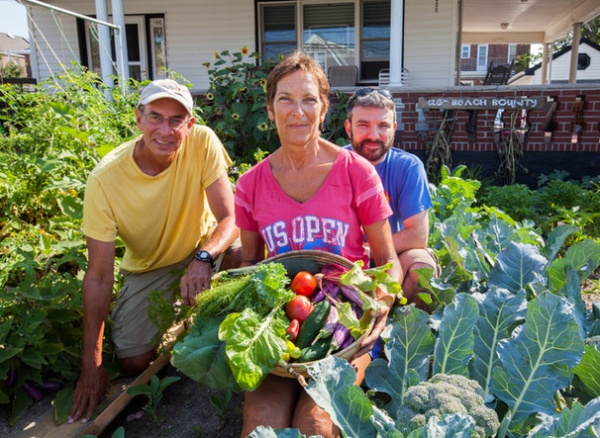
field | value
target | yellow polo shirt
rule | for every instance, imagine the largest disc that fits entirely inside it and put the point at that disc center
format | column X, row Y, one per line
column 162, row 218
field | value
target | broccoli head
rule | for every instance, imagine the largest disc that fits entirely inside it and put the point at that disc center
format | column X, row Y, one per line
column 446, row 394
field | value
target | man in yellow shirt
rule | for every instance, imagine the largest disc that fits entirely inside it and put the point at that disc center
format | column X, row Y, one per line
column 167, row 196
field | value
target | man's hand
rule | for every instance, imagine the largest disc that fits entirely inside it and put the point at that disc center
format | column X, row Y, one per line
column 195, row 280
column 90, row 390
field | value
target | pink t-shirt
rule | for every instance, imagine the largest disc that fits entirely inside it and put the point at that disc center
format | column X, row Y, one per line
column 331, row 220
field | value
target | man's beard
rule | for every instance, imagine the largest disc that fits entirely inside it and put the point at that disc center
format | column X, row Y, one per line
column 372, row 155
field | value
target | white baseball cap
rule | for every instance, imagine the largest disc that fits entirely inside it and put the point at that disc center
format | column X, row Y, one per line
column 167, row 88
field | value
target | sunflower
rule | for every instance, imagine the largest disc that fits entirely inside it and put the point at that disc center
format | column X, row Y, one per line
column 209, row 96
column 263, row 127
column 245, row 50
column 235, row 116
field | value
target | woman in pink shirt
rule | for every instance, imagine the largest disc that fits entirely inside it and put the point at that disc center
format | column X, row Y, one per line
column 309, row 194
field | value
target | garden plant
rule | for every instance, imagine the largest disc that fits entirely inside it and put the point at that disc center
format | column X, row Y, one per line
column 507, row 312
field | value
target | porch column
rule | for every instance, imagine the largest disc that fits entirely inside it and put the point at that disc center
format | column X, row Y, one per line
column 544, row 79
column 396, row 42
column 574, row 53
column 104, row 44
column 121, row 39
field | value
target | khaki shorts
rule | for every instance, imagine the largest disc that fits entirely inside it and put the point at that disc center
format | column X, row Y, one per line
column 133, row 333
column 426, row 256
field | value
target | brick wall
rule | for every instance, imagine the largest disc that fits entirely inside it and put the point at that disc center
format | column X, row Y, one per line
column 577, row 112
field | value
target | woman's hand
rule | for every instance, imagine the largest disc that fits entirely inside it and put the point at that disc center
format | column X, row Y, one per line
column 380, row 318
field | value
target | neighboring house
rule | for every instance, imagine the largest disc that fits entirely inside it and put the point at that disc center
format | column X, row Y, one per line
column 476, row 58
column 14, row 49
column 182, row 35
column 588, row 66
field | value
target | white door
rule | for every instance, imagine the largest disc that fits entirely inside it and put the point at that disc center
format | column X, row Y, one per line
column 140, row 67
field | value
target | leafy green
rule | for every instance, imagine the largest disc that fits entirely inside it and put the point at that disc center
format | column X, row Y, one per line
column 254, row 344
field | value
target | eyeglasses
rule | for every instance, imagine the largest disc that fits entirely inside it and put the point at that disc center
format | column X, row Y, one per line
column 175, row 123
column 366, row 91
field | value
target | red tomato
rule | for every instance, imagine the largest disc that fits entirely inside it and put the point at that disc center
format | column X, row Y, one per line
column 304, row 283
column 298, row 308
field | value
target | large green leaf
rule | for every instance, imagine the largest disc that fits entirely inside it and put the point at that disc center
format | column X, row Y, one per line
column 454, row 346
column 516, row 267
column 577, row 421
column 201, row 356
column 588, row 371
column 556, row 240
column 333, row 390
column 583, row 257
column 500, row 312
column 409, row 344
column 254, row 344
column 539, row 358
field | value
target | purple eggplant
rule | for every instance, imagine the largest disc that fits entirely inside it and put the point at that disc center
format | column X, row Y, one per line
column 339, row 335
column 330, row 324
column 11, row 378
column 349, row 340
column 34, row 392
column 351, row 295
column 328, row 289
column 51, row 386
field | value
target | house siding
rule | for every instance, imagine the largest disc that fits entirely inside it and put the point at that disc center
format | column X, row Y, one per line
column 430, row 43
column 195, row 30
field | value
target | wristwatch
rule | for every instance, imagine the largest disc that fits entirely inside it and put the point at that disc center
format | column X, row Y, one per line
column 204, row 256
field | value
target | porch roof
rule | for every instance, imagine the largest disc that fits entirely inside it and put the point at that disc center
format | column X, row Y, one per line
column 523, row 21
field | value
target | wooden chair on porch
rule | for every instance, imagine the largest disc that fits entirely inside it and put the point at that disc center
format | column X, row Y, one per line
column 498, row 75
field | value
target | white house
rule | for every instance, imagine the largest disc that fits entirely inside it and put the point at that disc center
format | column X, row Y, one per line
column 588, row 66
column 419, row 36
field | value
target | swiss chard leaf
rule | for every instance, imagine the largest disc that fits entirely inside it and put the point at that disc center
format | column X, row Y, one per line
column 254, row 344
column 539, row 358
column 454, row 346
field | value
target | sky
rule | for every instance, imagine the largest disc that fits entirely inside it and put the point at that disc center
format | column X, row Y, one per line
column 13, row 18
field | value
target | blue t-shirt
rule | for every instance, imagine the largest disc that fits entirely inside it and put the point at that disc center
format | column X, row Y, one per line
column 405, row 182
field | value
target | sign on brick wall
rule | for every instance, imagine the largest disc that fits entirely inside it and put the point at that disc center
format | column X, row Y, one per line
column 493, row 103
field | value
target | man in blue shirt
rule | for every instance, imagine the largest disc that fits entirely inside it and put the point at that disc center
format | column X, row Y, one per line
column 370, row 125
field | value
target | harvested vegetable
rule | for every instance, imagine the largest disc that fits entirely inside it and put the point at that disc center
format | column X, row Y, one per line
column 292, row 330
column 254, row 290
column 304, row 283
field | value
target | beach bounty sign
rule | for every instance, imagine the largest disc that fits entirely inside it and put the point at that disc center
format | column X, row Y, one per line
column 492, row 103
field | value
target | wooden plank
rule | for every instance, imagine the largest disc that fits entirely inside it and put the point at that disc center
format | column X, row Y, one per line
column 117, row 399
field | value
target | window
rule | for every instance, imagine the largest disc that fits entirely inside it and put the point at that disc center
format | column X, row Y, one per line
column 328, row 32
column 583, row 61
column 466, row 51
column 482, row 57
column 512, row 52
column 278, row 30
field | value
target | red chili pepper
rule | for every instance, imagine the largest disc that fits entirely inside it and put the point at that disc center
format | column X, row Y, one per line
column 292, row 330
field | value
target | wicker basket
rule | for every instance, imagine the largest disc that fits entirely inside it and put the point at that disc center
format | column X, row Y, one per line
column 312, row 261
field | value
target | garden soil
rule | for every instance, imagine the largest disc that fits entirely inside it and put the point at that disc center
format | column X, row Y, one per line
column 185, row 411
